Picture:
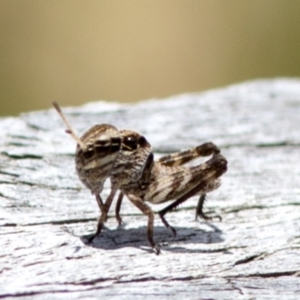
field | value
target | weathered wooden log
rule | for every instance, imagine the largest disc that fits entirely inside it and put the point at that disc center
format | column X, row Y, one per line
column 252, row 253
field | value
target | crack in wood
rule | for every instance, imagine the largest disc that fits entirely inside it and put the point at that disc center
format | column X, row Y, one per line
column 267, row 275
column 21, row 156
column 249, row 259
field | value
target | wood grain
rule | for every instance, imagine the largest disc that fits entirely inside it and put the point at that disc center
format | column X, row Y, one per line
column 253, row 253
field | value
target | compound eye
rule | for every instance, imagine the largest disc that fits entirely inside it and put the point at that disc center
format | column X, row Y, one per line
column 142, row 141
column 130, row 143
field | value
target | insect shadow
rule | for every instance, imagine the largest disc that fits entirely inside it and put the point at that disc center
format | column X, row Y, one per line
column 135, row 237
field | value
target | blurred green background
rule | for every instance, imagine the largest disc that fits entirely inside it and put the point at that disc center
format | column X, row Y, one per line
column 76, row 51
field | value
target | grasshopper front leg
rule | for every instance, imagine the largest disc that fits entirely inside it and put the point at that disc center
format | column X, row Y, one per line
column 146, row 210
column 104, row 213
column 118, row 208
column 99, row 202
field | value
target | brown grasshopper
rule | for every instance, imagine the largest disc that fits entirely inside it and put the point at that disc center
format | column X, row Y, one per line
column 125, row 157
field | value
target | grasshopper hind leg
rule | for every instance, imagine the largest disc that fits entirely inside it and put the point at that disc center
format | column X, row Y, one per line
column 165, row 222
column 201, row 214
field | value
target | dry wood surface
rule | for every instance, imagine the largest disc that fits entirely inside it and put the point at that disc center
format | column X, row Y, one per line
column 253, row 253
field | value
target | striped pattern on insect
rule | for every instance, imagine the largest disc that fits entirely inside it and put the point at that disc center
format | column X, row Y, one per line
column 125, row 157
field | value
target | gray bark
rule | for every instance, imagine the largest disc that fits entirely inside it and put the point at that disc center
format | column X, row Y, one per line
column 252, row 254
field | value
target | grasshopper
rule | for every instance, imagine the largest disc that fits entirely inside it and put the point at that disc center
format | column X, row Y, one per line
column 125, row 157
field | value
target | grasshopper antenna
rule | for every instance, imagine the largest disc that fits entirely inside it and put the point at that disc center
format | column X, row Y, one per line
column 69, row 129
